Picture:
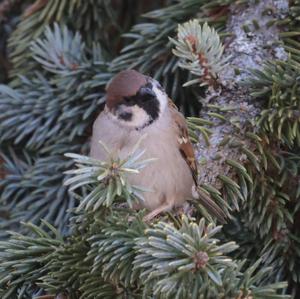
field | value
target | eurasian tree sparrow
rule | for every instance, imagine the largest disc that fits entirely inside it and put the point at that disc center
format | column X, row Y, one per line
column 136, row 105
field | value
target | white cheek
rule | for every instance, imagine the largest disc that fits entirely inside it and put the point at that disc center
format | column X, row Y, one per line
column 162, row 98
column 139, row 116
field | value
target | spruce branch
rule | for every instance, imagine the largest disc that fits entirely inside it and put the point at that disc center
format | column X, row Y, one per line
column 24, row 259
column 270, row 205
column 277, row 84
column 187, row 262
column 37, row 5
column 200, row 51
column 113, row 251
column 180, row 261
column 64, row 105
column 33, row 189
column 254, row 170
column 106, row 181
column 119, row 248
column 276, row 194
column 60, row 50
column 199, row 125
column 95, row 19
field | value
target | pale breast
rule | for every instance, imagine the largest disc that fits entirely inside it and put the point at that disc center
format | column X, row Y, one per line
column 168, row 176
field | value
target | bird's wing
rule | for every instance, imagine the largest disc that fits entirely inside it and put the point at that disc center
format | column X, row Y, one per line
column 187, row 152
column 184, row 143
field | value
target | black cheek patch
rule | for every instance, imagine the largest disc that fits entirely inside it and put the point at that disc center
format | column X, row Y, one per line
column 147, row 100
column 127, row 116
column 151, row 107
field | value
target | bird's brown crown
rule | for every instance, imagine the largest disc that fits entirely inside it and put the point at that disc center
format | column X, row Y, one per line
column 125, row 84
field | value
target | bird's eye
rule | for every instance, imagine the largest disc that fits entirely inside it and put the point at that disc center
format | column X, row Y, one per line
column 127, row 99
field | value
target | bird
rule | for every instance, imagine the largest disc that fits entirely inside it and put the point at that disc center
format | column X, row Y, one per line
column 137, row 104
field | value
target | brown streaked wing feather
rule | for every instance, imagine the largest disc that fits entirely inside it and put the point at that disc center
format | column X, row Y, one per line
column 187, row 152
column 185, row 145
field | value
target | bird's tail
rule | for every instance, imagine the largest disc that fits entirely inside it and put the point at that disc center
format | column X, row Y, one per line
column 209, row 204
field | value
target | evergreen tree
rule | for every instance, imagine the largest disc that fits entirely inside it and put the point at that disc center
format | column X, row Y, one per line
column 68, row 229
